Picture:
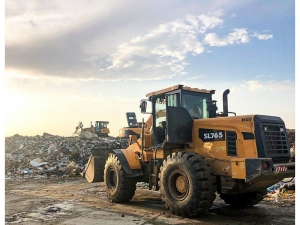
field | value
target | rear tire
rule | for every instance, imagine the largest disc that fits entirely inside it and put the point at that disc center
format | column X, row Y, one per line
column 187, row 185
column 119, row 188
column 245, row 199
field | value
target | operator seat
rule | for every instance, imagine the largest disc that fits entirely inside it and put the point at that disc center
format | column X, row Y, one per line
column 161, row 131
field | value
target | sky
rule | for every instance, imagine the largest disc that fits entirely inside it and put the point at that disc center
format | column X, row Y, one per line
column 68, row 61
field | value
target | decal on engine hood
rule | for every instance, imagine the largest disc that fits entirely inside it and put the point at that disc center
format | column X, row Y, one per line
column 209, row 135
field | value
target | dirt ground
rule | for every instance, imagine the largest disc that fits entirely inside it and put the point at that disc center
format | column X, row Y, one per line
column 72, row 201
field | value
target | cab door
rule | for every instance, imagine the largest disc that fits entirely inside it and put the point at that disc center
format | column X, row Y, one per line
column 179, row 121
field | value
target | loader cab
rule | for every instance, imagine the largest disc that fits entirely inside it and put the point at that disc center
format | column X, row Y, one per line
column 174, row 110
column 101, row 128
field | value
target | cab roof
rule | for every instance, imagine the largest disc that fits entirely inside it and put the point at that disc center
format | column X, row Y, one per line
column 179, row 86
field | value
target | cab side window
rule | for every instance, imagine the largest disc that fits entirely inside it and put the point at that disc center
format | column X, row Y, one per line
column 173, row 100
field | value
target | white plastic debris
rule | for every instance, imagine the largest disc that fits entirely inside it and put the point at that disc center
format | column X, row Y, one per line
column 35, row 162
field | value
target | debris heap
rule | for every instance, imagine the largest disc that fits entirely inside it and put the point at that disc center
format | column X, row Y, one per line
column 51, row 155
column 291, row 137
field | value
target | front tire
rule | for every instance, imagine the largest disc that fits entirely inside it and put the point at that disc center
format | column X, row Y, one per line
column 119, row 188
column 187, row 185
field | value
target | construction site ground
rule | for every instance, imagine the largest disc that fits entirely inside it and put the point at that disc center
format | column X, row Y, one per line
column 72, row 200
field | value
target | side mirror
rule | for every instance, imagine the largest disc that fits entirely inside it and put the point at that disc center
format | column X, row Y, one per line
column 143, row 106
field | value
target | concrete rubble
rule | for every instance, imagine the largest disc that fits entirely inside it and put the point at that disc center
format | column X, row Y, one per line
column 51, row 155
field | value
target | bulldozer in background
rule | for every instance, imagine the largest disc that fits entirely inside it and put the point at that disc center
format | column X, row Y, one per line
column 100, row 128
column 191, row 152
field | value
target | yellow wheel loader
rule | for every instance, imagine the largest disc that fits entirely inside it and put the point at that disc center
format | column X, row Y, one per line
column 191, row 152
column 134, row 128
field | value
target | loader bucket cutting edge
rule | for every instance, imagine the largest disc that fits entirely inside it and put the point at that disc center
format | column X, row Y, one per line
column 94, row 169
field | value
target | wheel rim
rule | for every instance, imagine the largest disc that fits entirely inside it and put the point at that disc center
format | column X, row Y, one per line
column 112, row 178
column 178, row 185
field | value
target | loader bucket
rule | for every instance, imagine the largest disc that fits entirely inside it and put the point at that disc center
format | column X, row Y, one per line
column 94, row 169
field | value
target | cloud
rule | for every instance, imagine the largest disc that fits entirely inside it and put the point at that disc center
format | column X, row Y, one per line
column 252, row 85
column 195, row 78
column 263, row 86
column 93, row 49
column 162, row 52
column 236, row 37
column 165, row 48
column 263, row 36
column 31, row 22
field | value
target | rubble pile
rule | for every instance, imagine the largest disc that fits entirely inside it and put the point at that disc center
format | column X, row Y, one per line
column 51, row 155
column 291, row 137
column 283, row 189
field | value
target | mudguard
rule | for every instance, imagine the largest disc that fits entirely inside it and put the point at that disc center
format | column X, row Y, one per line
column 130, row 162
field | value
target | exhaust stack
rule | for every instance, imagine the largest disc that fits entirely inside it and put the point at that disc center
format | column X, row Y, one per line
column 225, row 102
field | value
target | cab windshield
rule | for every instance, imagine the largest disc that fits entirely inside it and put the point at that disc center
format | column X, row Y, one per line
column 101, row 125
